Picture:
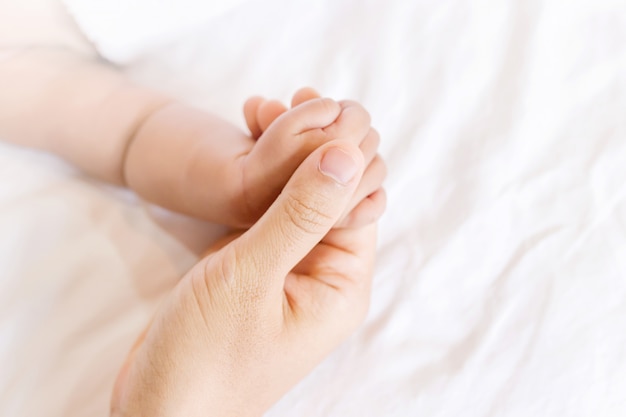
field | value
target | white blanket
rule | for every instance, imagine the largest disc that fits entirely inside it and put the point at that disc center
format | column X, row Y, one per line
column 500, row 288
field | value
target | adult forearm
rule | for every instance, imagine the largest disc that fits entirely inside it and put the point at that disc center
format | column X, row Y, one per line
column 75, row 106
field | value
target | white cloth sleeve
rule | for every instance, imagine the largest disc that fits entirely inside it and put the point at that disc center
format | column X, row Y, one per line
column 123, row 29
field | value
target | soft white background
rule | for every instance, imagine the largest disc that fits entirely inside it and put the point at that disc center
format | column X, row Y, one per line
column 500, row 288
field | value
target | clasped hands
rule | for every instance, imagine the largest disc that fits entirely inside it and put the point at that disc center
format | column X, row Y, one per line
column 267, row 304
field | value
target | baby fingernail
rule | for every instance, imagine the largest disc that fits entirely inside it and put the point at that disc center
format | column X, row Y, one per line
column 338, row 165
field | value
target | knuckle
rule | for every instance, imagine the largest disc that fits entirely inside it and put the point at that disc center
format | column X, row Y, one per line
column 374, row 137
column 328, row 105
column 359, row 112
column 375, row 174
column 380, row 166
column 238, row 274
column 367, row 117
column 222, row 266
column 305, row 216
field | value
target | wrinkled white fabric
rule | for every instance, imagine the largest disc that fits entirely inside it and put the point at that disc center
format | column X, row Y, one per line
column 500, row 286
column 122, row 29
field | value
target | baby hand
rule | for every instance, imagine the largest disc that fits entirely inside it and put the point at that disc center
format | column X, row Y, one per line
column 193, row 162
column 265, row 121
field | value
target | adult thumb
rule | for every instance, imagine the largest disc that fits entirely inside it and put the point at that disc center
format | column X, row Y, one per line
column 308, row 207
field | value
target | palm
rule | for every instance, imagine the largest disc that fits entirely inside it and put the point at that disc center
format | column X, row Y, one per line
column 333, row 276
column 335, row 270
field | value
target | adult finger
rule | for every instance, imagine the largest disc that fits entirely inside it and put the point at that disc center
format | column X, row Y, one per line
column 310, row 204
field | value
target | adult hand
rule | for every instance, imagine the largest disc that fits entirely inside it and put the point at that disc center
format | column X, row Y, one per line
column 256, row 315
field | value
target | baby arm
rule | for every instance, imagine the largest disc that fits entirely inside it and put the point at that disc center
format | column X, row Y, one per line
column 174, row 155
column 76, row 107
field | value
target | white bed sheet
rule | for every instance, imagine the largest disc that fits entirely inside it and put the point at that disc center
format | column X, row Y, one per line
column 500, row 287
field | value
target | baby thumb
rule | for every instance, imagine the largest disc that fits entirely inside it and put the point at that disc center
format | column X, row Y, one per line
column 308, row 207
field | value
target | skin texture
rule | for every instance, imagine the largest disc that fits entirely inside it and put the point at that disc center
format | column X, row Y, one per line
column 264, row 306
